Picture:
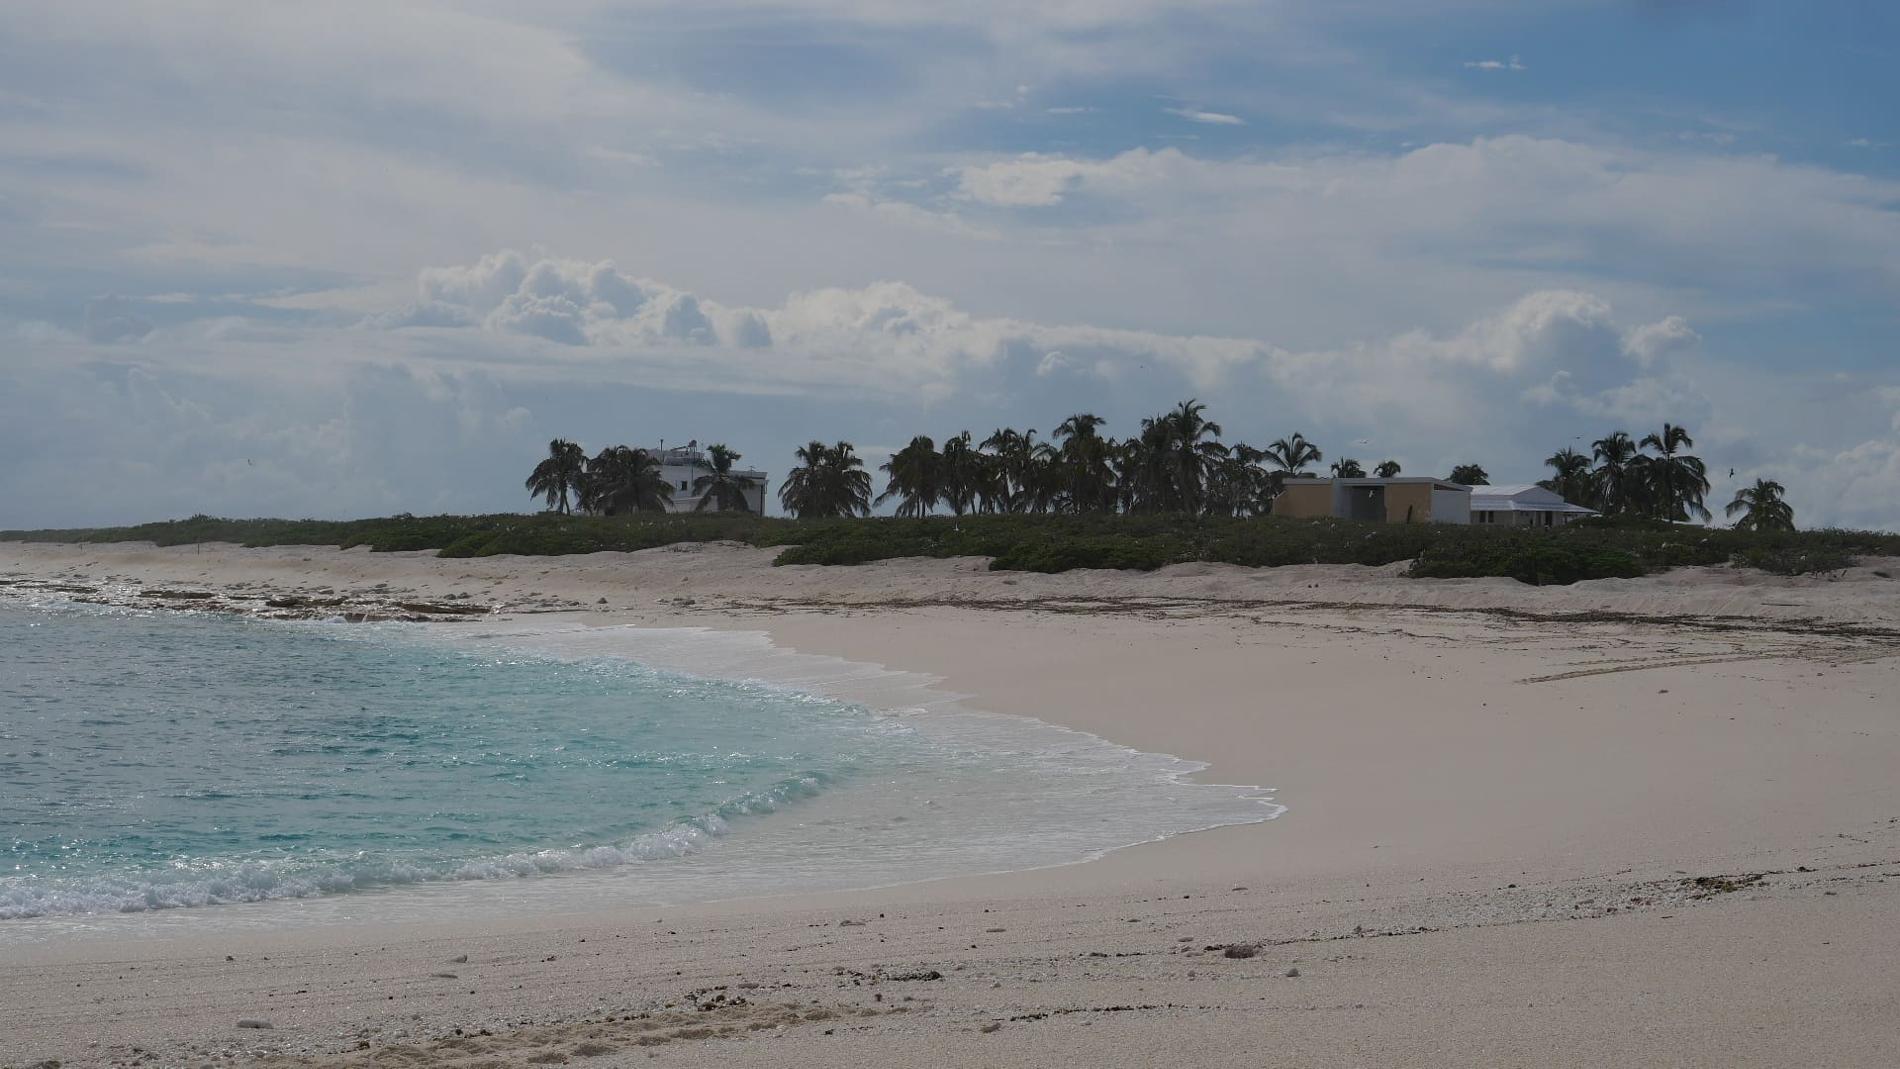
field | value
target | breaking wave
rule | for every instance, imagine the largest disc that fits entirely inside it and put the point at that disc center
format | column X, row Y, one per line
column 218, row 883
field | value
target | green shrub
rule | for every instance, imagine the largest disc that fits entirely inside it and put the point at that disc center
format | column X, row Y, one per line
column 1795, row 559
column 1061, row 555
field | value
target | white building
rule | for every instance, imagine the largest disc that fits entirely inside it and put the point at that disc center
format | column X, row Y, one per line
column 685, row 465
column 1523, row 505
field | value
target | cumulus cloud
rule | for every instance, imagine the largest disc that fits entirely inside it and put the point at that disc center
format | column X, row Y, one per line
column 1559, row 348
column 1846, row 487
column 880, row 337
column 1654, row 341
column 1562, row 348
column 570, row 302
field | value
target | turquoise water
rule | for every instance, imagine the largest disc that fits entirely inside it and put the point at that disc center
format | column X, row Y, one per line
column 152, row 760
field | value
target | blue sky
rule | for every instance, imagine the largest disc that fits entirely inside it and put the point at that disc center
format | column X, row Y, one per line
column 356, row 258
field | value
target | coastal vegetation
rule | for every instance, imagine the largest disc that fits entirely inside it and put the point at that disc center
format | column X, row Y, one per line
column 1058, row 542
column 1172, row 493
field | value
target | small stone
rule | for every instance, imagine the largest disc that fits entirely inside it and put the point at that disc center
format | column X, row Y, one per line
column 991, row 1027
column 1240, row 950
column 1293, row 972
column 254, row 1022
column 459, row 959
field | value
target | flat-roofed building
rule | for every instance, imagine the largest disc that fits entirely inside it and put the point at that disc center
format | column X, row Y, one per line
column 1396, row 500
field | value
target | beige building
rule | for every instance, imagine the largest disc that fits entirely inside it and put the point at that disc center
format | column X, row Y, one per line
column 1400, row 500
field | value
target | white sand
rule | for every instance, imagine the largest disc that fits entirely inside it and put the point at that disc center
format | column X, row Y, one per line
column 1435, row 742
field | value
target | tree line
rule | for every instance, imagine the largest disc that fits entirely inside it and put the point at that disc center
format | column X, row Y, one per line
column 1657, row 478
column 621, row 479
column 1176, row 463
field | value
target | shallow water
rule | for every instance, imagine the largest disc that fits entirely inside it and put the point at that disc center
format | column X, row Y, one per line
column 157, row 760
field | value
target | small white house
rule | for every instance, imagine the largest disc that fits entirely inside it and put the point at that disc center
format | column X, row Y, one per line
column 683, row 466
column 1523, row 505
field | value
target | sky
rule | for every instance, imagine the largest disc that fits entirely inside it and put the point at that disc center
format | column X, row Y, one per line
column 351, row 259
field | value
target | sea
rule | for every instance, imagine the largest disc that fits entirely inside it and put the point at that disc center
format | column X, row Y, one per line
column 201, row 769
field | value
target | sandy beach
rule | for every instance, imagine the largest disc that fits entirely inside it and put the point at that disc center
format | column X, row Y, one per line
column 1628, row 822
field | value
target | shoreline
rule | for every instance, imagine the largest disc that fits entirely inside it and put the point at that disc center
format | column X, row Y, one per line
column 1641, row 785
column 697, row 652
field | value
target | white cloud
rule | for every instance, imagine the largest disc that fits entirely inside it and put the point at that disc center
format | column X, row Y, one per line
column 1446, row 225
column 1031, row 181
column 1853, row 487
column 566, row 301
column 1653, row 341
column 910, row 216
column 1037, row 180
column 883, row 337
column 1512, row 64
column 1555, row 347
column 1210, row 118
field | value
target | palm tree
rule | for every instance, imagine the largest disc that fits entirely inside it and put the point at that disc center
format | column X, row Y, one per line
column 828, row 481
column 559, row 475
column 1018, row 459
column 1348, row 468
column 1387, row 469
column 1147, row 477
column 1572, row 481
column 1678, row 481
column 1618, row 485
column 1173, row 458
column 722, row 490
column 964, row 478
column 1292, row 455
column 622, row 479
column 1085, row 472
column 1470, row 475
column 1239, row 486
column 1762, row 507
column 915, row 477
column 1198, row 450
